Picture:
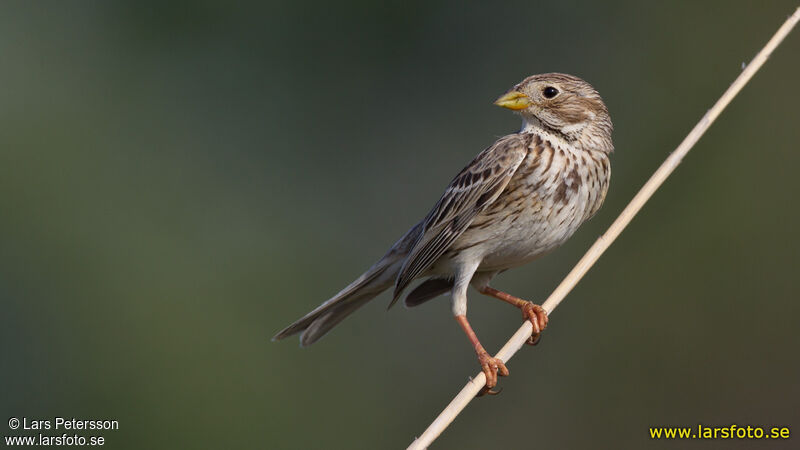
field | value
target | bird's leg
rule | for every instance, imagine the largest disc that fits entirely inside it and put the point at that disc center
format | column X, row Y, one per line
column 490, row 365
column 530, row 311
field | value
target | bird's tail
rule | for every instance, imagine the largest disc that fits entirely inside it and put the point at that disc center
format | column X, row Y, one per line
column 377, row 279
column 315, row 324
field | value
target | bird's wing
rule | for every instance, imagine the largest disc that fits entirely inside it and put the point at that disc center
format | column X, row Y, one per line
column 470, row 192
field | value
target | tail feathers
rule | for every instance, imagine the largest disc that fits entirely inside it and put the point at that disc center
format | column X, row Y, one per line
column 427, row 290
column 315, row 324
column 329, row 319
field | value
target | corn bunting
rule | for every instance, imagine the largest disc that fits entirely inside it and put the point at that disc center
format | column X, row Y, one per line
column 517, row 200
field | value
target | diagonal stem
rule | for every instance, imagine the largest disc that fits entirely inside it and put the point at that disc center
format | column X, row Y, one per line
column 593, row 254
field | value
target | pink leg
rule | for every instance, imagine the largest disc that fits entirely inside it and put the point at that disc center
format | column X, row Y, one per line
column 530, row 311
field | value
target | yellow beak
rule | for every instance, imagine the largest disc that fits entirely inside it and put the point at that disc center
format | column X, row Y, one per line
column 514, row 100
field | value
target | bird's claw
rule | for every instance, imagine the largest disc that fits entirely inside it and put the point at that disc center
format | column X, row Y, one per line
column 538, row 318
column 488, row 391
column 491, row 367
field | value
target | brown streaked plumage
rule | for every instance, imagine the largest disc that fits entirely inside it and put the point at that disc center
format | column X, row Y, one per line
column 517, row 200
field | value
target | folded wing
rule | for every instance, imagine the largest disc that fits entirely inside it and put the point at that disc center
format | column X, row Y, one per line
column 470, row 192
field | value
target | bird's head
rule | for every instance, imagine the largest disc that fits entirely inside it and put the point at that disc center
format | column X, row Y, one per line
column 563, row 105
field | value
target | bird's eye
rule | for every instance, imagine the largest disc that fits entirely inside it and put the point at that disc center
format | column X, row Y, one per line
column 549, row 92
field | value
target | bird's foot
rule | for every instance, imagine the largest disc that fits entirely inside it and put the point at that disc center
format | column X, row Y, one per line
column 491, row 367
column 538, row 318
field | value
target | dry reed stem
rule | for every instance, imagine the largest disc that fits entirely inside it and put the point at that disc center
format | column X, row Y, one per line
column 593, row 254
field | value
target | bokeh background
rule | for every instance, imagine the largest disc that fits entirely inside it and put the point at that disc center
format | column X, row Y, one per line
column 181, row 180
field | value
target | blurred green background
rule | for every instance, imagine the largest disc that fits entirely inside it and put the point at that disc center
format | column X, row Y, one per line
column 179, row 181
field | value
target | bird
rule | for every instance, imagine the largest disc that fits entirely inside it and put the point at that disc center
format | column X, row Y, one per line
column 517, row 200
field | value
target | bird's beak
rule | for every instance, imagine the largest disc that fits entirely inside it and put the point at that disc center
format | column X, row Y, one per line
column 513, row 100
